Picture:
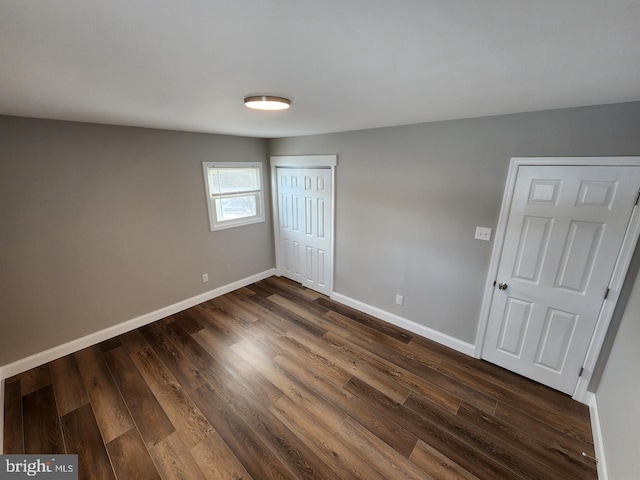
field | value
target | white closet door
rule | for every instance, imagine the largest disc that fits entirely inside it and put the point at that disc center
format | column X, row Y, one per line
column 289, row 218
column 304, row 209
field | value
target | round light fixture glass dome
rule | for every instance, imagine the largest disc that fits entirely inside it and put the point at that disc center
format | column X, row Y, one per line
column 266, row 102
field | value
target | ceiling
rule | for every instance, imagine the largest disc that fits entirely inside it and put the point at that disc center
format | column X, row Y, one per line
column 345, row 64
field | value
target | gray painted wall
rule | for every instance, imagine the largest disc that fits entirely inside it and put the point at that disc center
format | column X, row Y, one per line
column 409, row 198
column 101, row 224
column 618, row 393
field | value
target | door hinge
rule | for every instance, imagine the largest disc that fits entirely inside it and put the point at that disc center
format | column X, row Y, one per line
column 581, row 371
column 494, row 283
column 606, row 294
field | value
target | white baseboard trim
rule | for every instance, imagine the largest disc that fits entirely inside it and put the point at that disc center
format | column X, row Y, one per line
column 431, row 334
column 54, row 353
column 597, row 436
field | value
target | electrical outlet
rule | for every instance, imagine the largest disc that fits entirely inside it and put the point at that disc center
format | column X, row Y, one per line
column 399, row 300
column 483, row 233
column 205, row 277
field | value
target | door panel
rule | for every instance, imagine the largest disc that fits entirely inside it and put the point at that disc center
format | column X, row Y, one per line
column 579, row 256
column 555, row 339
column 305, row 222
column 514, row 326
column 534, row 240
column 565, row 229
column 288, row 213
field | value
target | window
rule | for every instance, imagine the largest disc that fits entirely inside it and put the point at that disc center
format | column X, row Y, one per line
column 234, row 194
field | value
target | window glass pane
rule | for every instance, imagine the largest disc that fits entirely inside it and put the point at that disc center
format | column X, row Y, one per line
column 230, row 208
column 232, row 180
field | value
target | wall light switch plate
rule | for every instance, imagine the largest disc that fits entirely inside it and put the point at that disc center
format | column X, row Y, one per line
column 205, row 277
column 483, row 233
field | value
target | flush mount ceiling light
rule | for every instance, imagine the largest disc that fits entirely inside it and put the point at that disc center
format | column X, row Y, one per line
column 265, row 102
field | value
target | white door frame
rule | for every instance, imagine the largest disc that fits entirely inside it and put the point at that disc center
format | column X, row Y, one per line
column 617, row 278
column 302, row 161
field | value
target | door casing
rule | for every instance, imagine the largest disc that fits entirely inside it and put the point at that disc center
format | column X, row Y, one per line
column 622, row 263
column 302, row 161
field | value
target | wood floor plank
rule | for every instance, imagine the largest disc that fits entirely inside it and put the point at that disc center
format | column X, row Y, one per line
column 390, row 432
column 264, row 390
column 323, row 366
column 110, row 344
column 133, row 342
column 388, row 329
column 393, row 349
column 433, row 383
column 108, row 406
column 322, row 410
column 382, row 375
column 388, row 461
column 245, row 292
column 130, row 458
column 188, row 321
column 520, row 386
column 174, row 461
column 67, row 384
column 346, row 358
column 293, row 288
column 567, row 444
column 292, row 318
column 147, row 413
column 340, row 456
column 400, row 376
column 570, row 422
column 13, row 436
column 228, row 306
column 310, row 316
column 504, row 452
column 435, row 435
column 35, row 379
column 292, row 452
column 412, row 373
column 259, row 311
column 435, row 464
column 82, row 437
column 217, row 461
column 181, row 368
column 293, row 294
column 274, row 381
column 185, row 416
column 558, row 460
column 255, row 456
column 230, row 328
column 42, row 432
column 191, row 349
column 241, row 307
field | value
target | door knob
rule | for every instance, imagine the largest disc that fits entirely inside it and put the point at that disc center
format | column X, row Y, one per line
column 502, row 286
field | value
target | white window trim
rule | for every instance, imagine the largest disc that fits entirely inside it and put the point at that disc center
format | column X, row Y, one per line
column 214, row 224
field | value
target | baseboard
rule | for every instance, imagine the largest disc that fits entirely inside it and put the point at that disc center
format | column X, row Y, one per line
column 431, row 334
column 597, row 436
column 54, row 353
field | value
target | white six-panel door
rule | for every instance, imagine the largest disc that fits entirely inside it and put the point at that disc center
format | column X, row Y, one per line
column 565, row 229
column 304, row 213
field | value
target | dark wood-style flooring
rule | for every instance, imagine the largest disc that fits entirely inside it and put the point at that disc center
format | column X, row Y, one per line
column 274, row 381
